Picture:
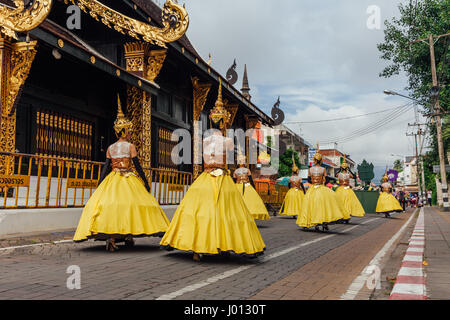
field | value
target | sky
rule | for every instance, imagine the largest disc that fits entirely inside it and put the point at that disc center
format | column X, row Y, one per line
column 321, row 58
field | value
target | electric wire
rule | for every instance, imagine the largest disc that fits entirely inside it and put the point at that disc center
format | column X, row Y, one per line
column 372, row 127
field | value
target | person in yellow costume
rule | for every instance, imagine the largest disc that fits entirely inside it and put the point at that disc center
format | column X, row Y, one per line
column 122, row 207
column 320, row 204
column 387, row 203
column 292, row 203
column 212, row 218
column 245, row 186
column 352, row 205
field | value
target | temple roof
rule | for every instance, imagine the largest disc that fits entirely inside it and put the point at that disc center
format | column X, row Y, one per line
column 155, row 13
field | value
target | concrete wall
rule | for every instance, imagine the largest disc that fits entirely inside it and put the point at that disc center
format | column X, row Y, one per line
column 28, row 221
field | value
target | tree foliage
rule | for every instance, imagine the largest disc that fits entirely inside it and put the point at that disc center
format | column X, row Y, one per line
column 365, row 172
column 418, row 19
column 285, row 169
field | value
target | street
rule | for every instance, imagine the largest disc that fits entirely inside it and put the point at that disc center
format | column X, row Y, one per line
column 297, row 265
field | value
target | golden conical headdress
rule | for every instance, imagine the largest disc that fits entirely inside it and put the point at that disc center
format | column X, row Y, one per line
column 317, row 156
column 385, row 177
column 219, row 113
column 294, row 166
column 121, row 123
column 344, row 164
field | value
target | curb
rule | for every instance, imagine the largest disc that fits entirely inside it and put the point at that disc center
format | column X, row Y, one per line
column 410, row 283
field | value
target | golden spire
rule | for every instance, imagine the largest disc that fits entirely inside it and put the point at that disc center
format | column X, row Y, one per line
column 121, row 123
column 294, row 166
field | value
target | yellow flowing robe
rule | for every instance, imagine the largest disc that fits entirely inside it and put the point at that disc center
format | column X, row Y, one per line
column 253, row 202
column 121, row 206
column 292, row 203
column 351, row 203
column 320, row 205
column 213, row 218
column 388, row 203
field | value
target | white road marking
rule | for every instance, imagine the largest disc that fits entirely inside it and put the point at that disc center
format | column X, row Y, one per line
column 232, row 272
column 34, row 245
column 410, row 272
column 409, row 288
column 361, row 280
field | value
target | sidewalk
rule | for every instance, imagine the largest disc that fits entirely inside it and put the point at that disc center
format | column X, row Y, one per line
column 437, row 254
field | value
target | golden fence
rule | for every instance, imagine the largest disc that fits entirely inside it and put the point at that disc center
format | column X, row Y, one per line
column 34, row 181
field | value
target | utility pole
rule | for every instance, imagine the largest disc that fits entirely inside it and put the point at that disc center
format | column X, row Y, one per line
column 419, row 160
column 437, row 111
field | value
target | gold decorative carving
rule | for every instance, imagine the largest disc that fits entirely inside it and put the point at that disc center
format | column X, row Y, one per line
column 15, row 63
column 60, row 43
column 232, row 109
column 140, row 113
column 200, row 95
column 92, row 59
column 154, row 64
column 143, row 61
column 20, row 19
column 175, row 22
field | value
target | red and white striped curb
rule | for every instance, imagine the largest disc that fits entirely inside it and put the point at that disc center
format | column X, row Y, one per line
column 410, row 284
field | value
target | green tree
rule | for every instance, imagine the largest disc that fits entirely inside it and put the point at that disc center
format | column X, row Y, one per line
column 398, row 165
column 285, row 169
column 365, row 171
column 419, row 19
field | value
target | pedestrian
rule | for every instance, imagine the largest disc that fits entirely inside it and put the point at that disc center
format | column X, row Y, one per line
column 213, row 218
column 352, row 205
column 387, row 203
column 122, row 206
column 246, row 187
column 321, row 205
column 401, row 199
column 430, row 197
column 292, row 203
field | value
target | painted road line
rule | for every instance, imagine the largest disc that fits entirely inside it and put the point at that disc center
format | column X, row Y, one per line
column 232, row 272
column 34, row 245
column 359, row 282
column 410, row 283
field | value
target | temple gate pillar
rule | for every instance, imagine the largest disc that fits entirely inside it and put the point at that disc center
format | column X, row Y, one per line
column 146, row 63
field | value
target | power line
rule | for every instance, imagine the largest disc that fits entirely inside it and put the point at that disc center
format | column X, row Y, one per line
column 372, row 127
column 344, row 118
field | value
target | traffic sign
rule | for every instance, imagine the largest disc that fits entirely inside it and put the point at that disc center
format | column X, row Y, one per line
column 437, row 169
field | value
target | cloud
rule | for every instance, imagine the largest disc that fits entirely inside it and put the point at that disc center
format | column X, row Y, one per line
column 320, row 57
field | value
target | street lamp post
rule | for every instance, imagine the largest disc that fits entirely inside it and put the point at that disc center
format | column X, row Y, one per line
column 435, row 96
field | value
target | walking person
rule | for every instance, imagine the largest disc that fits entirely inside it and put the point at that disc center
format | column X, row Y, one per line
column 321, row 205
column 430, row 197
column 121, row 208
column 387, row 203
column 246, row 187
column 351, row 203
column 401, row 199
column 292, row 203
column 213, row 218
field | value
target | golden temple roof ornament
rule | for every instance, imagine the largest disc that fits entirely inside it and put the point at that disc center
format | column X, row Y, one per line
column 175, row 22
column 23, row 18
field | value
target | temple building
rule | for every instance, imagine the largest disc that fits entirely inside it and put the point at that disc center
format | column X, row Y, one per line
column 67, row 70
